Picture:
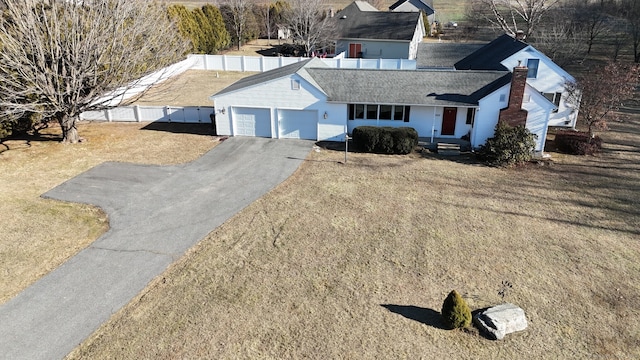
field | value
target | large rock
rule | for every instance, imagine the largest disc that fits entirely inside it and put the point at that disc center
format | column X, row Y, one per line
column 501, row 320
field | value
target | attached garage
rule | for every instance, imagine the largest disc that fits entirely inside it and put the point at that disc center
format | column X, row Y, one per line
column 252, row 121
column 298, row 124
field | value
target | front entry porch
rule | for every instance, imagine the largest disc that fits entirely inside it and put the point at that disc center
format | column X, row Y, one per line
column 440, row 143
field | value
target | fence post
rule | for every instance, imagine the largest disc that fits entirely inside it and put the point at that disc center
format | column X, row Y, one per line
column 379, row 63
column 262, row 64
column 224, row 62
column 359, row 66
column 136, row 113
column 108, row 115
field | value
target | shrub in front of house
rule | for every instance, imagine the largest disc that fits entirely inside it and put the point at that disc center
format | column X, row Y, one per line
column 509, row 146
column 455, row 311
column 577, row 143
column 385, row 140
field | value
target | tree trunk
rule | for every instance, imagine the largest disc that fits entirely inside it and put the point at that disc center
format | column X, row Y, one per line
column 69, row 130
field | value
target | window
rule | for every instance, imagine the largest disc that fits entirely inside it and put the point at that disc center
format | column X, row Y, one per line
column 359, row 111
column 532, row 64
column 378, row 112
column 471, row 112
column 372, row 112
column 503, row 97
column 554, row 98
column 406, row 113
column 385, row 112
column 295, row 84
column 398, row 113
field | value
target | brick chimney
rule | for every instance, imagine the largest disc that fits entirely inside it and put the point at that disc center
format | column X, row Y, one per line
column 514, row 114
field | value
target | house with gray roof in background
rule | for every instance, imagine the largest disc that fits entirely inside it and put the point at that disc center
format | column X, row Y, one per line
column 309, row 100
column 365, row 32
column 425, row 6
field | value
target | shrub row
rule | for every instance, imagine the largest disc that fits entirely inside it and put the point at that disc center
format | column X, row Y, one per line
column 385, row 140
column 577, row 142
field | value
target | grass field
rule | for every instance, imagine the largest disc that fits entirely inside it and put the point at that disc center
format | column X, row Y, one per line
column 354, row 261
column 37, row 235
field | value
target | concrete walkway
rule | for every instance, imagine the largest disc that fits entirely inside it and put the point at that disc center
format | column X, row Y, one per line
column 156, row 213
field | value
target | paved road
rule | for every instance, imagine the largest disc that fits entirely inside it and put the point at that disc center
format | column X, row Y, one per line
column 156, row 213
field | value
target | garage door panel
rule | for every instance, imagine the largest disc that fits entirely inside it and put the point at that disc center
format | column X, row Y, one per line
column 252, row 122
column 298, row 124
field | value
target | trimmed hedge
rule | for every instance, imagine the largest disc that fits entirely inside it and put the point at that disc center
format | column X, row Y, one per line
column 577, row 143
column 385, row 140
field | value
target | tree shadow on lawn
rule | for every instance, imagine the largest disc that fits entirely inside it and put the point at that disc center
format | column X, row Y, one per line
column 181, row 128
column 21, row 141
column 423, row 315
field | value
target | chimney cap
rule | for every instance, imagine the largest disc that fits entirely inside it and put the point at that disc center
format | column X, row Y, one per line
column 520, row 35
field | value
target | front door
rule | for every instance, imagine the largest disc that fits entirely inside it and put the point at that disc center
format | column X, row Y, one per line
column 355, row 50
column 449, row 121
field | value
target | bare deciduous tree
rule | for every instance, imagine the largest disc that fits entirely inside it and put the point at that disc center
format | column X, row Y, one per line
column 514, row 15
column 60, row 58
column 599, row 93
column 238, row 13
column 310, row 24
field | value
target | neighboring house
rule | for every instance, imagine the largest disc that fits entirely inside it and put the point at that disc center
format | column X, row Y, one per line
column 426, row 6
column 364, row 32
column 506, row 52
column 309, row 100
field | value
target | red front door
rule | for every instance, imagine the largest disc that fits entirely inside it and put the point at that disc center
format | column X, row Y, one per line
column 449, row 121
column 355, row 50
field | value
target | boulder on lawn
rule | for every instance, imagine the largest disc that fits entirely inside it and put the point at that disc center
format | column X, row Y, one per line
column 501, row 320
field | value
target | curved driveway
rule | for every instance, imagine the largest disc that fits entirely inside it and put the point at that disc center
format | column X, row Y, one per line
column 156, row 213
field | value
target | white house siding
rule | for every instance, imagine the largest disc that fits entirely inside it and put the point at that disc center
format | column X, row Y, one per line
column 418, row 34
column 487, row 116
column 538, row 108
column 424, row 119
column 551, row 79
column 275, row 95
column 377, row 49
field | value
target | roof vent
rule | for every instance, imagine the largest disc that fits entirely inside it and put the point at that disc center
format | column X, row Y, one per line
column 343, row 17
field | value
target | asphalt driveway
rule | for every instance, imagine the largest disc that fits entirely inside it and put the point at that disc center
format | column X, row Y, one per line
column 156, row 213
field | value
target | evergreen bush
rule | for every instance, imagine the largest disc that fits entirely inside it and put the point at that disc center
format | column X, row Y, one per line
column 509, row 146
column 455, row 311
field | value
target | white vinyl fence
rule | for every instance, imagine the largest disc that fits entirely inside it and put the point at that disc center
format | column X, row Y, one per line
column 186, row 114
column 200, row 114
column 263, row 63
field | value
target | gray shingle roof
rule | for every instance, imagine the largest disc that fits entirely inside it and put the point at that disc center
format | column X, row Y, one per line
column 443, row 55
column 427, row 6
column 270, row 75
column 489, row 56
column 379, row 25
column 408, row 87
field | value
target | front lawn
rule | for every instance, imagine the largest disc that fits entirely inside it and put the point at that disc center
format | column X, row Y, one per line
column 354, row 261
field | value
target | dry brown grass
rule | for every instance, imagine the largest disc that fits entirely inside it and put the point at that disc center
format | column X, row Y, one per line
column 304, row 272
column 37, row 235
column 191, row 88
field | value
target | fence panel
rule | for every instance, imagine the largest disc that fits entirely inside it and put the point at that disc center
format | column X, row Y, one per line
column 124, row 113
column 98, row 115
column 188, row 114
column 153, row 113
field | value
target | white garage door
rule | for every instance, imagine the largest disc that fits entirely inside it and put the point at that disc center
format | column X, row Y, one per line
column 298, row 124
column 252, row 122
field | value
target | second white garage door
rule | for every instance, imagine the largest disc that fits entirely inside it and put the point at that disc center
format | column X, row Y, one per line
column 298, row 124
column 252, row 122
